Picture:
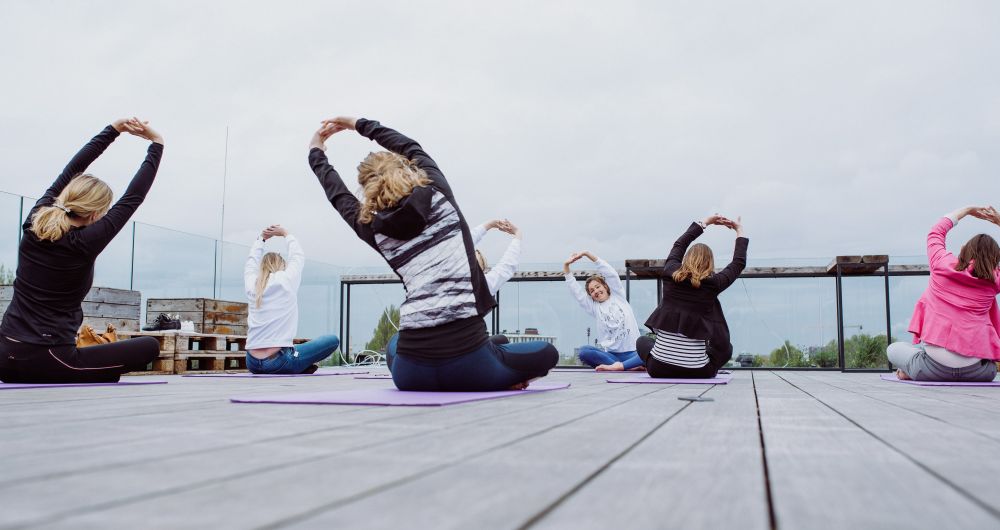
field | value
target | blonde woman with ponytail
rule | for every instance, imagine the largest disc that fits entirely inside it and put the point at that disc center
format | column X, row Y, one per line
column 409, row 215
column 65, row 232
column 272, row 286
column 692, row 337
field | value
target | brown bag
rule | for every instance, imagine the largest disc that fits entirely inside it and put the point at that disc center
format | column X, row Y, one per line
column 88, row 337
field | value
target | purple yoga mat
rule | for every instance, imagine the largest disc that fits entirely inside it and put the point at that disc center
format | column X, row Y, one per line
column 17, row 386
column 248, row 374
column 391, row 396
column 373, row 376
column 892, row 377
column 644, row 378
column 592, row 371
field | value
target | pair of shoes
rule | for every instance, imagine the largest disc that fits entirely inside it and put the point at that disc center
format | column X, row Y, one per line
column 187, row 326
column 163, row 322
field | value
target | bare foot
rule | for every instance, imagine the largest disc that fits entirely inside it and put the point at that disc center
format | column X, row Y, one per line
column 901, row 375
column 519, row 386
column 639, row 368
column 616, row 367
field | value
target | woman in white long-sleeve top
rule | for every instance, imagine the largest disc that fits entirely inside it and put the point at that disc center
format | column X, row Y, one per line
column 504, row 270
column 272, row 286
column 617, row 329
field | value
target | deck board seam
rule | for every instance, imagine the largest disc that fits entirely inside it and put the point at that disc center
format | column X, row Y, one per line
column 308, row 514
column 771, row 515
column 538, row 517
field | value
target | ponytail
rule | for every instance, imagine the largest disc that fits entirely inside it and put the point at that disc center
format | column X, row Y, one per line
column 271, row 262
column 50, row 223
column 85, row 197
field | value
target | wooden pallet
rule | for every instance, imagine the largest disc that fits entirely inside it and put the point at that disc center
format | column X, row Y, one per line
column 164, row 363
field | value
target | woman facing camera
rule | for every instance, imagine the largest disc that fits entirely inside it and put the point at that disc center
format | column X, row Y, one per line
column 409, row 215
column 65, row 232
column 692, row 336
column 956, row 323
column 272, row 286
column 604, row 300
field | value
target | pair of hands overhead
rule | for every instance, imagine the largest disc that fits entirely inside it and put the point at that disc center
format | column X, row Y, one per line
column 574, row 257
column 137, row 127
column 504, row 225
column 272, row 231
column 986, row 213
column 328, row 128
column 720, row 220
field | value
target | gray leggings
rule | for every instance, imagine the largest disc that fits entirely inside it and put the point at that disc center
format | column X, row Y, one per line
column 913, row 359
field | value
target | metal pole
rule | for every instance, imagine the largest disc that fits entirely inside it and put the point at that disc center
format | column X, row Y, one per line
column 20, row 219
column 496, row 317
column 340, row 318
column 131, row 269
column 840, row 322
column 628, row 284
column 347, row 327
column 888, row 314
column 215, row 268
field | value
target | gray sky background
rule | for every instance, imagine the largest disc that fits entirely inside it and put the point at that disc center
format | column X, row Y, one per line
column 831, row 127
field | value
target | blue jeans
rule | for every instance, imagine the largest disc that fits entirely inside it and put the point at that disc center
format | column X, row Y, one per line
column 295, row 359
column 490, row 367
column 593, row 356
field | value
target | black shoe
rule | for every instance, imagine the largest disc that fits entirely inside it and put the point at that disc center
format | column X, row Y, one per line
column 311, row 369
column 163, row 322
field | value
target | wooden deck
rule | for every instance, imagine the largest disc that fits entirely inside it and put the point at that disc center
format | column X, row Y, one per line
column 783, row 450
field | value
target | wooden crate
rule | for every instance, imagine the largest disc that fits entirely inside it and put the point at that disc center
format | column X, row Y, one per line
column 101, row 306
column 164, row 363
column 208, row 315
column 209, row 352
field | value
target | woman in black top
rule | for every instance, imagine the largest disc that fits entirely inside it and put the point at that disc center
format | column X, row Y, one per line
column 65, row 232
column 409, row 215
column 692, row 337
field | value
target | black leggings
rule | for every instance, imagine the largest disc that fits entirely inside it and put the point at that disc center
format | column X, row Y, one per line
column 21, row 362
column 657, row 368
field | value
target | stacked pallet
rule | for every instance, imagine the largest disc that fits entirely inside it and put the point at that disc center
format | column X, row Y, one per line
column 190, row 353
column 209, row 315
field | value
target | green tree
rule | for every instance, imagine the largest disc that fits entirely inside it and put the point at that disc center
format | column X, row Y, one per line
column 866, row 351
column 6, row 276
column 788, row 355
column 825, row 357
column 760, row 360
column 384, row 330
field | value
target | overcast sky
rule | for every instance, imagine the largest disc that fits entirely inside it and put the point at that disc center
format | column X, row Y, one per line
column 831, row 127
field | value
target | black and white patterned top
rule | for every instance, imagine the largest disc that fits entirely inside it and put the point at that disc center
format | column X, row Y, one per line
column 427, row 242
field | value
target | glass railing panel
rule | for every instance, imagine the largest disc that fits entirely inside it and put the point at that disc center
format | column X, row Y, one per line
column 865, row 334
column 782, row 322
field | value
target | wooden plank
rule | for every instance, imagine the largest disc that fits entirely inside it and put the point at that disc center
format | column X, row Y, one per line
column 945, row 438
column 174, row 305
column 101, row 324
column 674, row 478
column 824, row 469
column 302, row 463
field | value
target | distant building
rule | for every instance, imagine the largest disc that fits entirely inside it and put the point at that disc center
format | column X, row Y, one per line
column 529, row 335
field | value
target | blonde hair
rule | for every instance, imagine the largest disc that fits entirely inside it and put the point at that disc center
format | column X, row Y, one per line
column 271, row 262
column 84, row 196
column 386, row 178
column 481, row 260
column 697, row 265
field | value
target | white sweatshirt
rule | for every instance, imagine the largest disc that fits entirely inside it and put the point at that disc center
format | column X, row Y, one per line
column 617, row 329
column 275, row 323
column 506, row 267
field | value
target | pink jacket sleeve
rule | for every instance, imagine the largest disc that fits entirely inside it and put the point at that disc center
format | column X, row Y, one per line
column 936, row 250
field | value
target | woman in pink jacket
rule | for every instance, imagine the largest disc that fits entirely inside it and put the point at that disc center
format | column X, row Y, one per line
column 956, row 323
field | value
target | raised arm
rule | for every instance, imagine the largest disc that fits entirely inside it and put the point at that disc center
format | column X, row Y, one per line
column 98, row 235
column 610, row 274
column 397, row 143
column 680, row 247
column 582, row 298
column 296, row 261
column 346, row 204
column 80, row 162
column 252, row 267
column 504, row 270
